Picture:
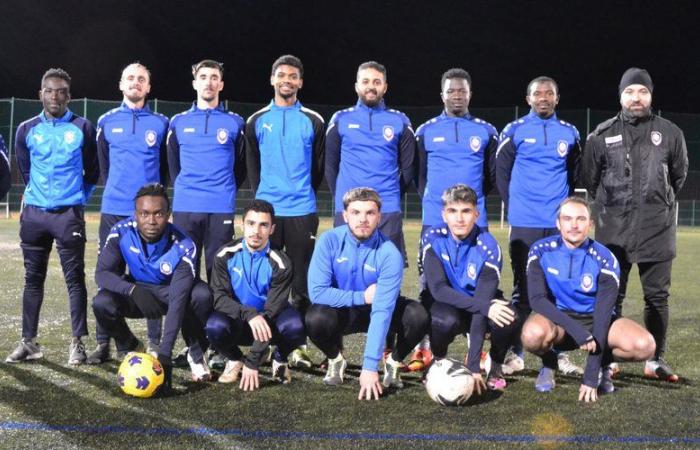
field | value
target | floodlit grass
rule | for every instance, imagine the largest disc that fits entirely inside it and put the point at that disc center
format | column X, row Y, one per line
column 49, row 404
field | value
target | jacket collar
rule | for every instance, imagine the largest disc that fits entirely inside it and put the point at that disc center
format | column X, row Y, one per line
column 381, row 106
column 273, row 106
column 194, row 108
column 125, row 107
column 65, row 118
column 467, row 116
column 533, row 115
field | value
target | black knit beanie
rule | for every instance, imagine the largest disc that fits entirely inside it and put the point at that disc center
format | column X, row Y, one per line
column 635, row 75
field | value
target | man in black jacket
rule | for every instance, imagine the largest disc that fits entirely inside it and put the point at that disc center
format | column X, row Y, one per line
column 634, row 166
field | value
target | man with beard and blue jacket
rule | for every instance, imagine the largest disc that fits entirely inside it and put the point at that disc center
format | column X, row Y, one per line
column 354, row 282
column 537, row 164
column 57, row 160
column 131, row 149
column 374, row 146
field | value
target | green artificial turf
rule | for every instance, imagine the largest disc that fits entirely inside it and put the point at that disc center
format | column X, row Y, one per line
column 50, row 404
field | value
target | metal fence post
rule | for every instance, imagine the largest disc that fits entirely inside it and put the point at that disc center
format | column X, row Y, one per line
column 588, row 121
column 155, row 105
column 85, row 101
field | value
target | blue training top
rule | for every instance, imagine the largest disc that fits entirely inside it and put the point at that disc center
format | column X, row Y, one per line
column 536, row 168
column 204, row 150
column 342, row 267
column 132, row 152
column 455, row 150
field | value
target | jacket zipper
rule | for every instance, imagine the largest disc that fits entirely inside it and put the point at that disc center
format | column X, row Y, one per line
column 284, row 121
column 456, row 131
column 206, row 123
column 544, row 126
column 133, row 122
column 571, row 263
column 370, row 120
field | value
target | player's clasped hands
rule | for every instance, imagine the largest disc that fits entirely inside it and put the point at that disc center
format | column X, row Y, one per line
column 370, row 387
column 261, row 330
column 500, row 313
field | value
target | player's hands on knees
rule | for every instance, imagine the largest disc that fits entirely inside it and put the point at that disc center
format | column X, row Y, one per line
column 500, row 312
column 249, row 379
column 261, row 330
column 370, row 387
column 587, row 394
column 479, row 384
column 589, row 346
column 369, row 293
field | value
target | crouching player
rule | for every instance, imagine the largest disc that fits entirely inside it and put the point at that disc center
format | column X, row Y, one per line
column 354, row 281
column 573, row 283
column 251, row 284
column 160, row 280
column 462, row 267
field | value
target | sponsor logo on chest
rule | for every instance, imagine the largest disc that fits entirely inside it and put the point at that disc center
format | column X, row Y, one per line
column 475, row 143
column 586, row 282
column 388, row 133
column 166, row 268
column 150, row 137
column 562, row 148
column 471, row 271
column 117, row 130
column 222, row 135
column 656, row 138
column 69, row 137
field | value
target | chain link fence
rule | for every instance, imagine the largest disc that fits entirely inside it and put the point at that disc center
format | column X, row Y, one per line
column 14, row 111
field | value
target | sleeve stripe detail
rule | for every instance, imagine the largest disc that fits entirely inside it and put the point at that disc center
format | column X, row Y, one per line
column 277, row 259
column 500, row 146
column 494, row 267
column 232, row 249
column 612, row 274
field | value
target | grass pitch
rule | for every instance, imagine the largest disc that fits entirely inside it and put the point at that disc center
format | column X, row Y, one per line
column 49, row 404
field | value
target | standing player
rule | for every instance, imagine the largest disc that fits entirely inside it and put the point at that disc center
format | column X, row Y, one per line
column 285, row 156
column 462, row 264
column 536, row 168
column 573, row 283
column 131, row 149
column 160, row 280
column 5, row 174
column 371, row 145
column 634, row 166
column 57, row 160
column 251, row 283
column 207, row 164
column 455, row 147
column 354, row 281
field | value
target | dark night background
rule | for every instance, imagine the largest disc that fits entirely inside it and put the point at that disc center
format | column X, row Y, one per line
column 503, row 44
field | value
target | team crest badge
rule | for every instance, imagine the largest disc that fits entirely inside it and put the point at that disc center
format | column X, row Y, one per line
column 69, row 137
column 388, row 133
column 166, row 268
column 151, row 138
column 586, row 282
column 562, row 147
column 475, row 143
column 222, row 135
column 655, row 138
column 471, row 271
